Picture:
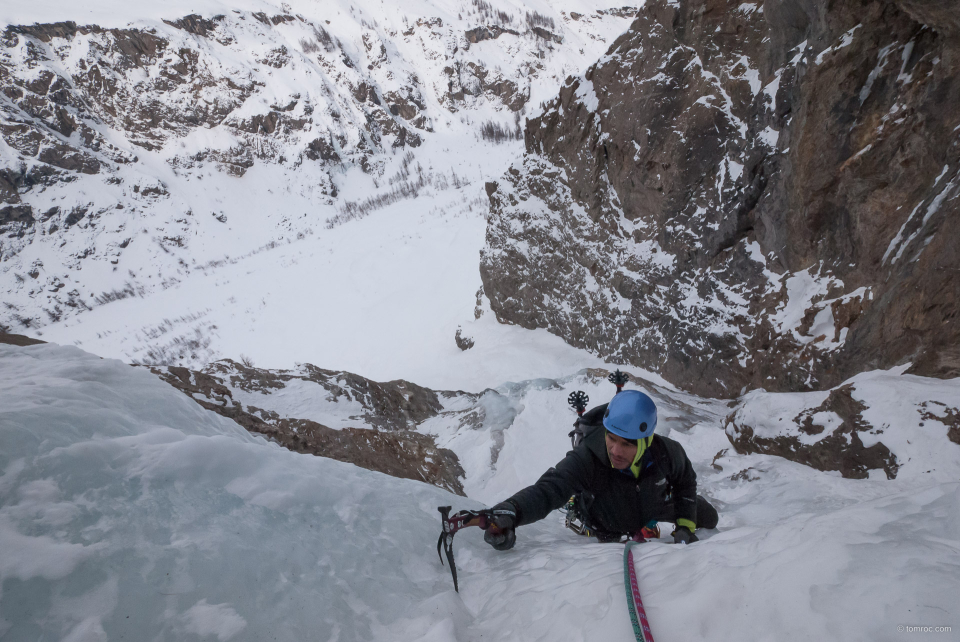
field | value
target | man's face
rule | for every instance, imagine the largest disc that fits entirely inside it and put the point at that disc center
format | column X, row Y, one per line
column 621, row 451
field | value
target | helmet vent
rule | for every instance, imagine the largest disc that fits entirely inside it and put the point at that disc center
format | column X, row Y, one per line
column 643, row 426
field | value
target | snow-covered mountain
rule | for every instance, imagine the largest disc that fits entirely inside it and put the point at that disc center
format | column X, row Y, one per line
column 142, row 148
column 276, row 211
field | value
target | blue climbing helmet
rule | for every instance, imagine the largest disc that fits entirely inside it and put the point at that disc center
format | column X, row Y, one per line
column 631, row 415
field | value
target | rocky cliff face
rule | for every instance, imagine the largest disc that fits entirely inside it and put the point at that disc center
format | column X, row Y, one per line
column 746, row 195
column 376, row 422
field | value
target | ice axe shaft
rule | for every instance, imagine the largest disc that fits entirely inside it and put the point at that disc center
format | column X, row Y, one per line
column 453, row 523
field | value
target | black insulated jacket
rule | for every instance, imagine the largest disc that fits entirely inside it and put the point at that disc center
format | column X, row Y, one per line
column 666, row 489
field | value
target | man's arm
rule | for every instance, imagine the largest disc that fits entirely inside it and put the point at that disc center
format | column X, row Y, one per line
column 683, row 479
column 554, row 487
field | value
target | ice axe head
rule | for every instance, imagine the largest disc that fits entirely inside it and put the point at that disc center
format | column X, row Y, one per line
column 618, row 378
column 453, row 523
column 578, row 400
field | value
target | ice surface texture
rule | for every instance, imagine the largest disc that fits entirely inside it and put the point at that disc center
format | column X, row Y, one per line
column 129, row 512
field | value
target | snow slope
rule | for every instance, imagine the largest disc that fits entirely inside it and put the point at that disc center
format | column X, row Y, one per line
column 382, row 296
column 128, row 511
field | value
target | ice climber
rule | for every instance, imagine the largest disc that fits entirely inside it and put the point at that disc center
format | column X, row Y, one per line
column 625, row 479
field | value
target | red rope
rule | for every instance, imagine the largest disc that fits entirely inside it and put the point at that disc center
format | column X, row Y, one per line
column 636, row 610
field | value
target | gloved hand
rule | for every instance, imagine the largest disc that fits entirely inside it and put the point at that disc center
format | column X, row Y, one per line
column 683, row 535
column 501, row 534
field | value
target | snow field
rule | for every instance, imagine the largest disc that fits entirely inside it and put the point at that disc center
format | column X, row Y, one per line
column 381, row 296
column 854, row 573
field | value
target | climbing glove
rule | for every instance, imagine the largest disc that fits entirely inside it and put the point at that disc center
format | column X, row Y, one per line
column 500, row 533
column 683, row 535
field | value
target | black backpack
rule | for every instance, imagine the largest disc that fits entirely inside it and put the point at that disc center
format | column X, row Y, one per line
column 586, row 424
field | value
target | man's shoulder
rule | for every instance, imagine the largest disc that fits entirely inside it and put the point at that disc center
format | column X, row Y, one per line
column 667, row 443
column 669, row 448
column 593, row 446
column 594, row 416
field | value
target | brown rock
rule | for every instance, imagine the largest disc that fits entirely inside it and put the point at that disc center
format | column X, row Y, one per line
column 940, row 15
column 540, row 32
column 139, row 47
column 261, row 123
column 407, row 104
column 47, row 32
column 320, row 149
column 196, row 24
column 464, row 343
column 491, row 32
column 16, row 214
column 66, row 157
column 394, row 451
column 407, row 455
column 841, row 451
column 950, row 418
column 18, row 339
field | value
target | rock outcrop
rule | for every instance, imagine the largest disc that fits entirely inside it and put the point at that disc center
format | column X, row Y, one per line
column 876, row 424
column 746, row 195
column 18, row 340
column 840, row 449
column 381, row 437
column 395, row 427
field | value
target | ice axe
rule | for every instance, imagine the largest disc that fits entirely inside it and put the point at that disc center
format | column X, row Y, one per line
column 578, row 401
column 618, row 379
column 453, row 523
